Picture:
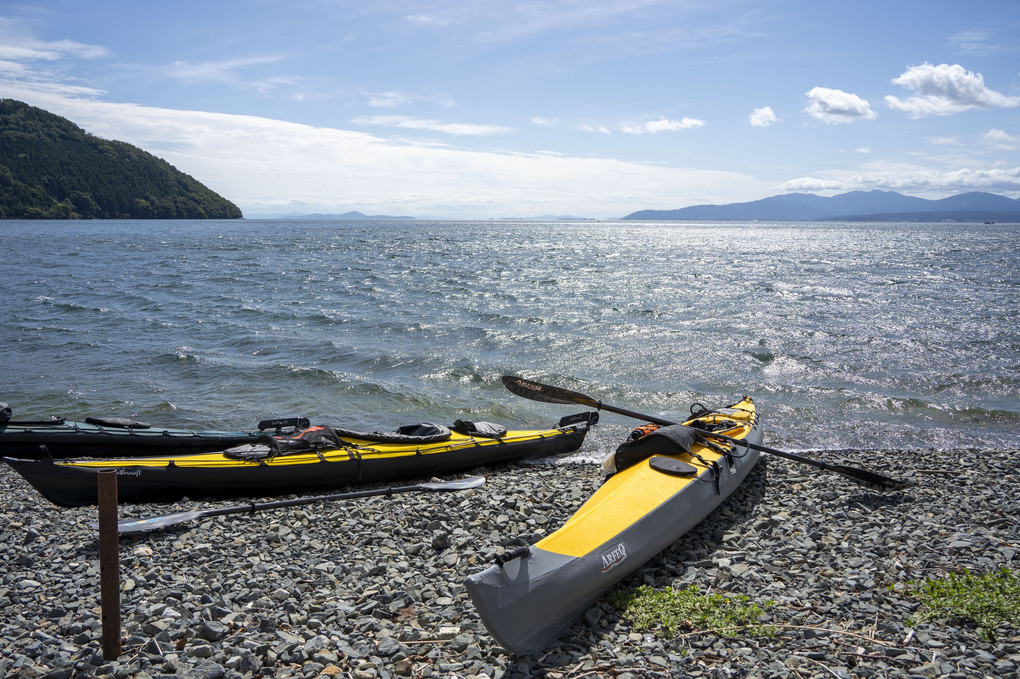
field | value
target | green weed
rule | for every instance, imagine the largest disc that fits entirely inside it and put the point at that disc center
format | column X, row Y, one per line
column 673, row 610
column 984, row 600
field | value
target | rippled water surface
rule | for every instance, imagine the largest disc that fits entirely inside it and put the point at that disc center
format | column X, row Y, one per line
column 848, row 336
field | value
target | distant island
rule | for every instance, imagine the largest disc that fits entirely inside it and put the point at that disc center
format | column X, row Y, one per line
column 871, row 206
column 52, row 169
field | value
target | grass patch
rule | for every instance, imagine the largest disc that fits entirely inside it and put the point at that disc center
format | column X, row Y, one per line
column 983, row 600
column 684, row 610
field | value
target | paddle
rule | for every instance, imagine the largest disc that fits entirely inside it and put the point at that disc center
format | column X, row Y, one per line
column 153, row 523
column 546, row 393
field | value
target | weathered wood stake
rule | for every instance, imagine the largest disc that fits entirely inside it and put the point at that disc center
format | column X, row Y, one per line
column 109, row 563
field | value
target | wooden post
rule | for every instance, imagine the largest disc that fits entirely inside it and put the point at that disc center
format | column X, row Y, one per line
column 109, row 563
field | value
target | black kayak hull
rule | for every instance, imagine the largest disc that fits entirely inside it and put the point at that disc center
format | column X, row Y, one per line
column 38, row 445
column 65, row 439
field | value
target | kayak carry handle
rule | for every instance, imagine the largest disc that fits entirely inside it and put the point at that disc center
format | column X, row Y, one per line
column 588, row 419
column 281, row 422
column 515, row 553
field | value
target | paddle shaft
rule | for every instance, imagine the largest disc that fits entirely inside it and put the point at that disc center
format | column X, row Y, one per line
column 353, row 495
column 153, row 523
column 722, row 437
column 551, row 394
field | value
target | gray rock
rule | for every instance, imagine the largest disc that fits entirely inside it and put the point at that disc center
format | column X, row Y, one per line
column 374, row 587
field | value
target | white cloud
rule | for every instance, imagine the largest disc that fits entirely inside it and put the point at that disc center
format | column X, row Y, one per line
column 836, row 106
column 762, row 117
column 544, row 122
column 663, row 125
column 592, row 128
column 387, row 99
column 914, row 180
column 944, row 90
column 1000, row 140
column 999, row 135
column 12, row 68
column 814, row 184
column 426, row 20
column 411, row 123
column 266, row 165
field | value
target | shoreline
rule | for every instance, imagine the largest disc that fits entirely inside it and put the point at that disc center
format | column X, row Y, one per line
column 373, row 587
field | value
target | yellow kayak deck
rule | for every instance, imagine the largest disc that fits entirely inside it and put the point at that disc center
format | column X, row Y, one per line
column 632, row 494
column 355, row 449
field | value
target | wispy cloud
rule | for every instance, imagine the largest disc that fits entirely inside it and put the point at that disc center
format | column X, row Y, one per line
column 974, row 41
column 412, row 123
column 388, row 99
column 762, row 117
column 216, row 71
column 35, row 50
column 544, row 122
column 393, row 99
column 944, row 90
column 427, row 20
column 836, row 106
column 663, row 125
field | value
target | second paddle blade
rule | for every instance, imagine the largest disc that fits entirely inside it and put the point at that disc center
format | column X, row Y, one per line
column 536, row 391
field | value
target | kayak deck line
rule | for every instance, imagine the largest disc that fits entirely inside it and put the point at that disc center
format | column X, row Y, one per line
column 342, row 454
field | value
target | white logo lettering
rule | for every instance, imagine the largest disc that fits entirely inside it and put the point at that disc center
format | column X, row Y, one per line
column 614, row 557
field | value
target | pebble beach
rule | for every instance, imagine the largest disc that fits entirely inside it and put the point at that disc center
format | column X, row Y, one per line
column 373, row 587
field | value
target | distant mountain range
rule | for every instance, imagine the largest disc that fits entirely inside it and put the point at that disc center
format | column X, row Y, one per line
column 318, row 216
column 875, row 206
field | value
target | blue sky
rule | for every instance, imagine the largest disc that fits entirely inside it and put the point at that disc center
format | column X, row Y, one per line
column 484, row 109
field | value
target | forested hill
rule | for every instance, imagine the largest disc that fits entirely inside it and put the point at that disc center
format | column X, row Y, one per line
column 52, row 169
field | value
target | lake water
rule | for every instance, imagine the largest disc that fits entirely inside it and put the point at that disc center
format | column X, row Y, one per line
column 874, row 336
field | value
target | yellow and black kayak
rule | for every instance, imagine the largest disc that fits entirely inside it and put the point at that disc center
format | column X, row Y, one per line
column 663, row 481
column 316, row 458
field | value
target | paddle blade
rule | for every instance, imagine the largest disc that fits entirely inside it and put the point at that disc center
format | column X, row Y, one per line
column 870, row 479
column 157, row 522
column 546, row 393
column 459, row 484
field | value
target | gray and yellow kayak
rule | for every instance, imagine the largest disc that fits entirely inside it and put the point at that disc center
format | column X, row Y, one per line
column 532, row 594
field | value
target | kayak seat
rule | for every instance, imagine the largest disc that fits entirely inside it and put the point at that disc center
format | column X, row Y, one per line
column 484, row 429
column 672, row 466
column 670, row 440
column 425, row 432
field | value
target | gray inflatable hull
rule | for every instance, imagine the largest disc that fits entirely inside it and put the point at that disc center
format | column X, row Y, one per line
column 529, row 601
